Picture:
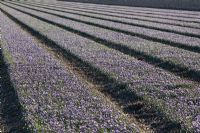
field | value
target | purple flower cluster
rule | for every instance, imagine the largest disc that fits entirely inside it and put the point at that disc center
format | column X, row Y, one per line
column 196, row 123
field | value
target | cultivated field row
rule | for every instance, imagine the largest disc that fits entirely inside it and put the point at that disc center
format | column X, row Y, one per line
column 169, row 57
column 151, row 34
column 126, row 8
column 112, row 12
column 136, row 12
column 149, row 25
column 137, row 17
column 121, row 17
column 150, row 71
column 53, row 98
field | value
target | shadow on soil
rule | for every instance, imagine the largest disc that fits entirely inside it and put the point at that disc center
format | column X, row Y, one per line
column 11, row 110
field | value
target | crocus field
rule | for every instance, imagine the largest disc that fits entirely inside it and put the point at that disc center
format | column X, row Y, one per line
column 69, row 67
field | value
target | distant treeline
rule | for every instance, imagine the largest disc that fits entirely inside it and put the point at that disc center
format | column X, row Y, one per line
column 166, row 4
